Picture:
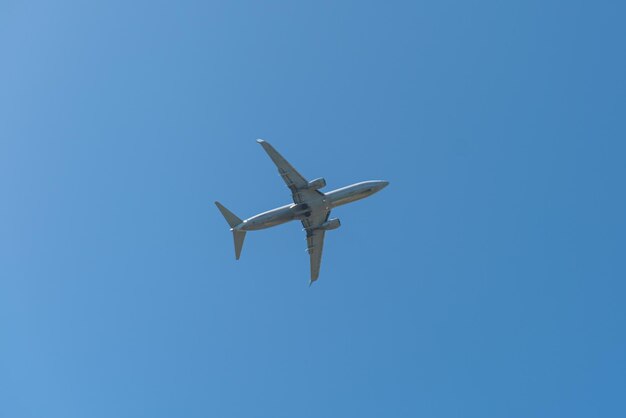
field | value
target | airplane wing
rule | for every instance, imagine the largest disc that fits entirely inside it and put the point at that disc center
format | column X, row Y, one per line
column 294, row 180
column 315, row 245
column 300, row 194
column 315, row 240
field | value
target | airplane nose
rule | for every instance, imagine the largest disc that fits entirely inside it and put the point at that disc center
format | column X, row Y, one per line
column 378, row 185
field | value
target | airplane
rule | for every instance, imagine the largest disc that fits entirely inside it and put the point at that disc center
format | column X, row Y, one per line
column 310, row 206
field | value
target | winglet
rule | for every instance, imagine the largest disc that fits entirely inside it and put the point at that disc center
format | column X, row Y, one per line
column 269, row 149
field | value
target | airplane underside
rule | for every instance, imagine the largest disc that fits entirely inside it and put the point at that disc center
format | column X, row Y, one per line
column 311, row 207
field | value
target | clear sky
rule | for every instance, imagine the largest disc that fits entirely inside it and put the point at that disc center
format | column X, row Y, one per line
column 486, row 281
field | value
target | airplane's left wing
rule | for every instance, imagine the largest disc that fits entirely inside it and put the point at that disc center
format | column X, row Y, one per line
column 315, row 239
column 315, row 245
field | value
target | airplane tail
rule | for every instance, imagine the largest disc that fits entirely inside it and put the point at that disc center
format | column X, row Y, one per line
column 233, row 221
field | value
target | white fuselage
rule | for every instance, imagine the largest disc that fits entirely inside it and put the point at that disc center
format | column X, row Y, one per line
column 300, row 211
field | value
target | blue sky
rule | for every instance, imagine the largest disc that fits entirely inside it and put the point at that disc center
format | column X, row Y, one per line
column 486, row 281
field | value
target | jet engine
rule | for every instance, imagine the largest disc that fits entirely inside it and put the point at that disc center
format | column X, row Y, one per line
column 316, row 184
column 330, row 224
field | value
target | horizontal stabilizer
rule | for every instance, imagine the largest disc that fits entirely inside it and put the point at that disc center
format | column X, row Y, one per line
column 231, row 218
column 238, row 236
column 233, row 221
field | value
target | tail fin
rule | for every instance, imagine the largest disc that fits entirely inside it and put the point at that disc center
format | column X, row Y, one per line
column 233, row 221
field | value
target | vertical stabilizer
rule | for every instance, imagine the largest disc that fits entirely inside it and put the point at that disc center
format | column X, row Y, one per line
column 233, row 221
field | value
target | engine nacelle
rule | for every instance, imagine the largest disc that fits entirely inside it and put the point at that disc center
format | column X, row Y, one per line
column 316, row 184
column 330, row 224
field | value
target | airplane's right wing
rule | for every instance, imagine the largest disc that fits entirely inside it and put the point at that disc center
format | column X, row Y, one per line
column 290, row 175
column 294, row 180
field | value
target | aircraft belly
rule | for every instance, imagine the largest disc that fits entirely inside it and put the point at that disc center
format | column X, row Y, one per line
column 342, row 199
column 349, row 194
column 269, row 219
column 310, row 206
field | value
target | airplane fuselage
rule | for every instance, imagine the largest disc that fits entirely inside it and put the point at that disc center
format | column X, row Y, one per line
column 300, row 211
column 310, row 206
